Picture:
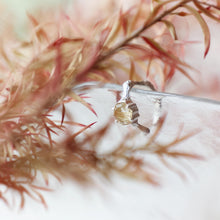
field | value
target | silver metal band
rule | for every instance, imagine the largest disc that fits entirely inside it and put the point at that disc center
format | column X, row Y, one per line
column 126, row 111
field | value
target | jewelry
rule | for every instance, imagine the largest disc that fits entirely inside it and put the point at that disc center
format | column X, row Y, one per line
column 126, row 112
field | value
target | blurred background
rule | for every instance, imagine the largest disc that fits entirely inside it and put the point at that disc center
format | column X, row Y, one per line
column 197, row 198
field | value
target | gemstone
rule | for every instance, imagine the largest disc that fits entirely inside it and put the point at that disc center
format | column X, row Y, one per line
column 123, row 113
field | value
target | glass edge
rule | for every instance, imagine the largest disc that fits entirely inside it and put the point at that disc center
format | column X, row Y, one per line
column 94, row 85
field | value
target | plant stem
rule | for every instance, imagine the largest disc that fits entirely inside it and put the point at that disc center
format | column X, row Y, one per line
column 137, row 33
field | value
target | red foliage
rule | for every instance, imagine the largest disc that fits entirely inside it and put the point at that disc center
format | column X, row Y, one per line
column 38, row 76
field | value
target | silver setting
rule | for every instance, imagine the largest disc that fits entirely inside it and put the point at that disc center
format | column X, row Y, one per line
column 126, row 111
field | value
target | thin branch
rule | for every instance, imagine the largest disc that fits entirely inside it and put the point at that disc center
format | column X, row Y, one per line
column 209, row 5
column 137, row 33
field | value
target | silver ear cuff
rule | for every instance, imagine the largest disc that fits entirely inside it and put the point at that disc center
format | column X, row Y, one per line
column 126, row 111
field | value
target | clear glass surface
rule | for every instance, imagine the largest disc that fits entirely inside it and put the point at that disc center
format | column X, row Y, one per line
column 183, row 115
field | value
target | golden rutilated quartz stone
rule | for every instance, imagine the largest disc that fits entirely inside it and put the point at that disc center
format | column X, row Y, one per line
column 125, row 112
column 122, row 113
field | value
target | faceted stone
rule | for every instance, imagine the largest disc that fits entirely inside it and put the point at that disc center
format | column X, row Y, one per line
column 123, row 113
